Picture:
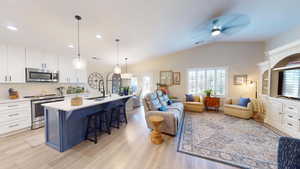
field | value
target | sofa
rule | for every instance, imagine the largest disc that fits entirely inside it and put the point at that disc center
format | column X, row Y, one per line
column 232, row 108
column 172, row 116
column 197, row 105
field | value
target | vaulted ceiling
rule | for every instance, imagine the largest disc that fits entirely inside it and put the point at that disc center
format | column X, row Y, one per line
column 146, row 28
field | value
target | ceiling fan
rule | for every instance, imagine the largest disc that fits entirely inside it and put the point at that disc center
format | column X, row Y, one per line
column 221, row 26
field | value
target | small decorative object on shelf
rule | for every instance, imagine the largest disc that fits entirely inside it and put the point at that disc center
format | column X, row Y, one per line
column 76, row 101
column 13, row 94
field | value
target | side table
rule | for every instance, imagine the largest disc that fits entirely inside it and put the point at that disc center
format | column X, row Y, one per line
column 156, row 137
column 212, row 102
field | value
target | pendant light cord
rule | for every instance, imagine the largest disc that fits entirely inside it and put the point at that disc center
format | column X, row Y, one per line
column 78, row 18
column 118, row 59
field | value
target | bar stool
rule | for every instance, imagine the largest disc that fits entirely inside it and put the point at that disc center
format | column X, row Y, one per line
column 117, row 113
column 104, row 120
column 92, row 128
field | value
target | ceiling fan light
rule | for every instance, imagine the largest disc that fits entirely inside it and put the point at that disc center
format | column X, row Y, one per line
column 216, row 32
column 117, row 69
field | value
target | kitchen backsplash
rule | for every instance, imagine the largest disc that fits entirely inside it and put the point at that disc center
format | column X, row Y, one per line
column 30, row 89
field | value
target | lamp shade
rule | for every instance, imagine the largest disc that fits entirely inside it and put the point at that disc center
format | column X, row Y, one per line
column 78, row 63
column 117, row 69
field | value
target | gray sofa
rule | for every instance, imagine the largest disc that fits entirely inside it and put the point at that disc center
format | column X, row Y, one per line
column 172, row 116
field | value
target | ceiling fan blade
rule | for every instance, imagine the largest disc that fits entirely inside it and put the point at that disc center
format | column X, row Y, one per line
column 237, row 20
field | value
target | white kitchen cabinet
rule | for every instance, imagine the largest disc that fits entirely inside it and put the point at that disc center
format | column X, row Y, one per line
column 12, row 64
column 50, row 61
column 3, row 64
column 67, row 73
column 14, row 116
column 34, row 58
column 41, row 59
column 16, row 64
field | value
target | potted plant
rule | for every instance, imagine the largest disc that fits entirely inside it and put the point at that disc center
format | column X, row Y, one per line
column 208, row 92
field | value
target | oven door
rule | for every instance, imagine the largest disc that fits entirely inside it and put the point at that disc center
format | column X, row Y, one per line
column 38, row 109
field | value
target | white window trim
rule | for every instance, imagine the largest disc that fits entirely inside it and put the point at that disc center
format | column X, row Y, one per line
column 226, row 68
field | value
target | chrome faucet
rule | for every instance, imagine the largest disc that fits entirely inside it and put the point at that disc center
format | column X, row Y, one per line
column 101, row 90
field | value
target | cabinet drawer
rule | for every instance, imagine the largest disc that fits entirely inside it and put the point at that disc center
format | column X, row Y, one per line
column 17, row 105
column 12, row 115
column 291, row 124
column 16, row 125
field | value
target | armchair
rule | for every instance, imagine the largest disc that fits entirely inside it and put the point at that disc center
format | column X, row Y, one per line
column 195, row 106
column 232, row 108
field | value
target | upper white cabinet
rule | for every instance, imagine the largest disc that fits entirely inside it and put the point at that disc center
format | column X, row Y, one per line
column 66, row 71
column 41, row 59
column 12, row 64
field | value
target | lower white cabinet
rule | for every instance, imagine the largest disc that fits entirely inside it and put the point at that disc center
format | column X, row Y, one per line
column 283, row 114
column 14, row 116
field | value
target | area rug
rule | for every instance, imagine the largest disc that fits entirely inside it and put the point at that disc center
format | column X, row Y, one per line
column 234, row 141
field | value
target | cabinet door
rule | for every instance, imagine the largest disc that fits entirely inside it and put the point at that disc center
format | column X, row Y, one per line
column 275, row 114
column 3, row 64
column 34, row 58
column 16, row 64
column 51, row 61
column 66, row 71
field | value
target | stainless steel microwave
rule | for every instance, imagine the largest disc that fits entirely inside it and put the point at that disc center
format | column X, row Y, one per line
column 41, row 75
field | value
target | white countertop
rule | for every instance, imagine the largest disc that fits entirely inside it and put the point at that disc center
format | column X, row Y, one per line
column 5, row 101
column 66, row 105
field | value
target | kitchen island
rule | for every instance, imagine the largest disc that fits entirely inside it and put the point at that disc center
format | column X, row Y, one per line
column 65, row 125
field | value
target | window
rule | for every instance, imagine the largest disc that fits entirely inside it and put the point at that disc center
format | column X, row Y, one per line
column 146, row 85
column 201, row 79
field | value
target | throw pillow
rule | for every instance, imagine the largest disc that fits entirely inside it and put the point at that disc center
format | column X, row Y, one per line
column 170, row 102
column 244, row 102
column 189, row 97
column 197, row 99
column 163, row 108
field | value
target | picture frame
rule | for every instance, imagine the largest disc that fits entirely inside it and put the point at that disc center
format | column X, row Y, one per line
column 240, row 79
column 166, row 77
column 176, row 78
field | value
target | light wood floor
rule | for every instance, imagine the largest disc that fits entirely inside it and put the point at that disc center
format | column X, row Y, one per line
column 126, row 148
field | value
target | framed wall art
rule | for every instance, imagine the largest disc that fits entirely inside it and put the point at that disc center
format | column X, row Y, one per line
column 176, row 78
column 166, row 77
column 240, row 79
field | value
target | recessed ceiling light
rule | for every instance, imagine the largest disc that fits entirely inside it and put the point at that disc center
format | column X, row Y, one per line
column 216, row 32
column 12, row 28
column 71, row 46
column 98, row 36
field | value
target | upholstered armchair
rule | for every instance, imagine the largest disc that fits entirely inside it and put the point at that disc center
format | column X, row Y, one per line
column 197, row 105
column 232, row 108
column 288, row 153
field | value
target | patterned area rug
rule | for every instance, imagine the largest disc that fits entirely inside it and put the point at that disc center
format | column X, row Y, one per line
column 234, row 141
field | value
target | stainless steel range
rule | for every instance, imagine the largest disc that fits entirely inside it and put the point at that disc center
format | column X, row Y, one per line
column 37, row 110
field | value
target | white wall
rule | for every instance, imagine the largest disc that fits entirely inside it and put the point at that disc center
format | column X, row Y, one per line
column 239, row 57
column 283, row 39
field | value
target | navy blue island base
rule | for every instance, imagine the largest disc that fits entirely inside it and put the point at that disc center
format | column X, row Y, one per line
column 65, row 129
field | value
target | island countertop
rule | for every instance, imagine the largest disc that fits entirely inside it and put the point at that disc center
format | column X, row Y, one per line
column 66, row 105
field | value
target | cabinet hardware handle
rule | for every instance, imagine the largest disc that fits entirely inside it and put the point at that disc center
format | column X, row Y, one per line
column 13, row 105
column 9, row 78
column 15, row 125
column 290, row 116
column 11, row 115
column 291, row 108
column 290, row 124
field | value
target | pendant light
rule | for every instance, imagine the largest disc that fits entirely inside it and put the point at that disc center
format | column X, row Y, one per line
column 77, row 61
column 126, row 75
column 117, row 68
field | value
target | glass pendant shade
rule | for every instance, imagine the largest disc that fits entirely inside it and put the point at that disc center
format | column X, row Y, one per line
column 78, row 63
column 117, row 69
